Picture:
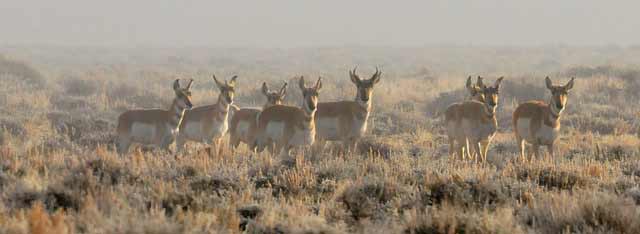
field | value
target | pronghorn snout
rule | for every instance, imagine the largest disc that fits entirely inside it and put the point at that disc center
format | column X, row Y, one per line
column 559, row 106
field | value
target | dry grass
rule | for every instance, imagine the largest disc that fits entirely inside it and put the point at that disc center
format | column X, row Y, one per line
column 59, row 172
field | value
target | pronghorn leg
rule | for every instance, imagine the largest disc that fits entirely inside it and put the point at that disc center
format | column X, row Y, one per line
column 179, row 144
column 536, row 152
column 460, row 149
column 217, row 144
column 550, row 149
column 452, row 148
column 350, row 145
column 484, row 149
column 476, row 150
column 122, row 145
column 466, row 149
column 520, row 143
column 318, row 146
column 234, row 142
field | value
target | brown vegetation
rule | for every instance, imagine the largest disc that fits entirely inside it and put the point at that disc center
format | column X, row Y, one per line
column 59, row 172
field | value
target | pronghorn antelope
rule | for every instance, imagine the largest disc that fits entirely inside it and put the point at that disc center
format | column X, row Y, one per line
column 284, row 127
column 474, row 122
column 243, row 123
column 454, row 130
column 346, row 121
column 154, row 126
column 207, row 124
column 537, row 122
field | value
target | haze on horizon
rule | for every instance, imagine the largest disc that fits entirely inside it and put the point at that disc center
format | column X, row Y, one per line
column 290, row 23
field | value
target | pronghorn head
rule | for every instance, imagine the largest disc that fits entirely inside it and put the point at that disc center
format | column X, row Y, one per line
column 490, row 94
column 475, row 92
column 558, row 94
column 274, row 97
column 227, row 89
column 183, row 95
column 310, row 94
column 365, row 87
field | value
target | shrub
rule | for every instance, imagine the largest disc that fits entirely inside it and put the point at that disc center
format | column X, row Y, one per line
column 23, row 71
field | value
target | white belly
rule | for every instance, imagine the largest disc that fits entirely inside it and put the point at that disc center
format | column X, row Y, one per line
column 302, row 137
column 479, row 132
column 191, row 130
column 454, row 130
column 327, row 128
column 242, row 129
column 524, row 128
column 359, row 128
column 194, row 131
column 546, row 135
column 143, row 133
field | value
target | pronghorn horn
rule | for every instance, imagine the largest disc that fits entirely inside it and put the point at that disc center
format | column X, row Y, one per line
column 498, row 81
column 216, row 80
column 232, row 82
column 376, row 76
column 189, row 84
column 301, row 83
column 265, row 89
column 176, row 84
column 480, row 82
column 318, row 83
column 283, row 90
column 354, row 76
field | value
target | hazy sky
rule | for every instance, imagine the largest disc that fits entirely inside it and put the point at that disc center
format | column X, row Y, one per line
column 294, row 23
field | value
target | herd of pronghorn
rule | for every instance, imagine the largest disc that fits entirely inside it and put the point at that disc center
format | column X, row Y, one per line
column 470, row 124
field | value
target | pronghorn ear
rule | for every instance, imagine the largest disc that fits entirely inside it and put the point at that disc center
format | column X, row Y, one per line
column 549, row 83
column 376, row 76
column 265, row 89
column 569, row 85
column 498, row 81
column 301, row 83
column 318, row 84
column 189, row 84
column 218, row 83
column 480, row 83
column 176, row 84
column 354, row 77
column 232, row 82
column 283, row 90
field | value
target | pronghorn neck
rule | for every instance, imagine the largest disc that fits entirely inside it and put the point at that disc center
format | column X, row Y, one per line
column 222, row 104
column 176, row 112
column 554, row 113
column 366, row 105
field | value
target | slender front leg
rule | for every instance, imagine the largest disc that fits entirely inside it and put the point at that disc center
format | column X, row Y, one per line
column 520, row 143
column 536, row 151
column 484, row 147
column 476, row 150
column 550, row 149
column 318, row 146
